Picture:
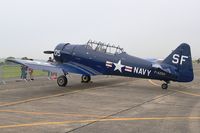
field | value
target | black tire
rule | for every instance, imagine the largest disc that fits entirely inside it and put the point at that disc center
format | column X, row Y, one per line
column 164, row 86
column 85, row 78
column 62, row 81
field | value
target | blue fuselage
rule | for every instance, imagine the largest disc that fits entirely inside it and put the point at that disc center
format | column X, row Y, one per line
column 102, row 63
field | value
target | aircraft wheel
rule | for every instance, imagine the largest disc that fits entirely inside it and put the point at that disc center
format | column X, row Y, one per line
column 62, row 81
column 164, row 86
column 85, row 78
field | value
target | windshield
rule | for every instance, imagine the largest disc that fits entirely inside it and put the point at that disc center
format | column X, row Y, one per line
column 102, row 47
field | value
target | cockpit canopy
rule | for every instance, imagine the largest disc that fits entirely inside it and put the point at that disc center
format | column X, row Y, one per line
column 102, row 47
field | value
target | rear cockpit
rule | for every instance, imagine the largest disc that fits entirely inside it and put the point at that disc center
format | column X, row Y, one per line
column 105, row 48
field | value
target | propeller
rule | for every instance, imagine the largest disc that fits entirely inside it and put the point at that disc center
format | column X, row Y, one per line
column 48, row 52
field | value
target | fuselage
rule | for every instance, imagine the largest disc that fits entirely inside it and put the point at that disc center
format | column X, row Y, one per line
column 98, row 62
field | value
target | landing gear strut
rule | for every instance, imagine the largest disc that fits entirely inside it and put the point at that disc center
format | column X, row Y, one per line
column 85, row 78
column 62, row 81
column 165, row 85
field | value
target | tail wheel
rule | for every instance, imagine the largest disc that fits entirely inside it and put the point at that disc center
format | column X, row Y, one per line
column 164, row 86
column 85, row 78
column 62, row 81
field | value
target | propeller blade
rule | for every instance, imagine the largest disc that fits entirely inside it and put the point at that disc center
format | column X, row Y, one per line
column 48, row 52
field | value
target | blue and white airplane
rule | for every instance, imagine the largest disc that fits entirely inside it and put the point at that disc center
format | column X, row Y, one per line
column 97, row 58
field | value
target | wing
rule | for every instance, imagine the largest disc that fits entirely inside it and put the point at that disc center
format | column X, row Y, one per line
column 55, row 67
column 38, row 65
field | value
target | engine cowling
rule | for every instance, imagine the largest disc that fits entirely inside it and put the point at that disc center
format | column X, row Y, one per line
column 63, row 52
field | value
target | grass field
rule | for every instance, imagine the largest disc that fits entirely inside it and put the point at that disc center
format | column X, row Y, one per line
column 14, row 71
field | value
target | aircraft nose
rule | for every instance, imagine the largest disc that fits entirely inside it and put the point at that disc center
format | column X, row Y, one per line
column 61, row 51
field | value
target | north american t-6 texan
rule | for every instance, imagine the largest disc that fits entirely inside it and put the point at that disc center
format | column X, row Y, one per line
column 97, row 58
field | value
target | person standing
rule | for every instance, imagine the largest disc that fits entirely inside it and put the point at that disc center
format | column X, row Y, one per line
column 24, row 72
column 30, row 74
column 198, row 61
column 49, row 73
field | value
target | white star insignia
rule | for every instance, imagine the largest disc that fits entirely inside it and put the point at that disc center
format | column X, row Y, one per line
column 118, row 66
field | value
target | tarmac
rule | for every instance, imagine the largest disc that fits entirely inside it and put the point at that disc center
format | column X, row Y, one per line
column 108, row 104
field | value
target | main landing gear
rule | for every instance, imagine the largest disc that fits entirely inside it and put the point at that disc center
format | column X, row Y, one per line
column 62, row 80
column 85, row 78
column 165, row 85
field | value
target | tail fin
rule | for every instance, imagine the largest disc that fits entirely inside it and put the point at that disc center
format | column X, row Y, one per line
column 181, row 59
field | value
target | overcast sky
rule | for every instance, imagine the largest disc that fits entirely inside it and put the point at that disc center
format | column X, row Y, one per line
column 144, row 28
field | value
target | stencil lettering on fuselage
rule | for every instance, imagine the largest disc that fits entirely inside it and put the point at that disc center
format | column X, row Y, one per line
column 141, row 71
